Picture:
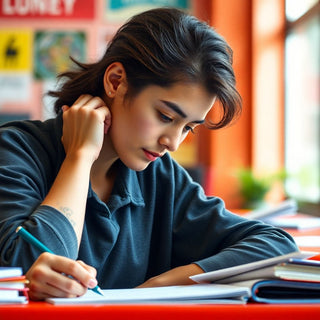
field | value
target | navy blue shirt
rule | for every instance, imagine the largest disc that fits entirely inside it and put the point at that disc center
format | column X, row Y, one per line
column 154, row 220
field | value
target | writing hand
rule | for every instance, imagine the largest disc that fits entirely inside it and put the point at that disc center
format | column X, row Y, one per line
column 47, row 277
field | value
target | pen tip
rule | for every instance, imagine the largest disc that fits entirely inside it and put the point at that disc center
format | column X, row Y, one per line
column 98, row 290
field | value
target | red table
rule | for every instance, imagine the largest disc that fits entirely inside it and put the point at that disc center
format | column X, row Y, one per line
column 250, row 311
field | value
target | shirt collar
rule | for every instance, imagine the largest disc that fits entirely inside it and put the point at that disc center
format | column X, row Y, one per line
column 127, row 186
column 126, row 189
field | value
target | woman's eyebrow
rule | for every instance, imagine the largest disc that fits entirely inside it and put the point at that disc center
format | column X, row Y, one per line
column 173, row 106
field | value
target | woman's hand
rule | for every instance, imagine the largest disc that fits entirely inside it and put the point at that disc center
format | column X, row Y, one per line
column 176, row 276
column 84, row 126
column 50, row 276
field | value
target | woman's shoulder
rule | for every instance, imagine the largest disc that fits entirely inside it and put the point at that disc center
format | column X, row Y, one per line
column 31, row 130
column 31, row 127
column 33, row 137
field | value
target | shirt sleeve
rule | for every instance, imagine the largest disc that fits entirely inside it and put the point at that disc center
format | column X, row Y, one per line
column 207, row 234
column 27, row 171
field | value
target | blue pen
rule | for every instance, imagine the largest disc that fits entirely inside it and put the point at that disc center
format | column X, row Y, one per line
column 24, row 234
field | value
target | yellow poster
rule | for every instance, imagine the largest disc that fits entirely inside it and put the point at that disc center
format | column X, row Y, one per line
column 15, row 50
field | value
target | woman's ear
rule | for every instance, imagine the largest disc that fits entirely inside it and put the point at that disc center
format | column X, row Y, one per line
column 114, row 79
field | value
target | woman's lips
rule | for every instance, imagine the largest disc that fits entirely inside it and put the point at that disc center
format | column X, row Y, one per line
column 152, row 156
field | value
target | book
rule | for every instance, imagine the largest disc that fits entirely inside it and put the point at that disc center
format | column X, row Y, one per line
column 284, row 279
column 12, row 286
column 299, row 270
column 286, row 271
column 248, row 271
column 197, row 293
column 7, row 272
column 282, row 291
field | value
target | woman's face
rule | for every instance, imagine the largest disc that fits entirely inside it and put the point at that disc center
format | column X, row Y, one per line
column 157, row 120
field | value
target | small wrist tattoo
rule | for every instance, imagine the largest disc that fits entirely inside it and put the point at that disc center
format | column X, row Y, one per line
column 67, row 212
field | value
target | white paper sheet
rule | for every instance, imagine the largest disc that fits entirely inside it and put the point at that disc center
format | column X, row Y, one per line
column 198, row 293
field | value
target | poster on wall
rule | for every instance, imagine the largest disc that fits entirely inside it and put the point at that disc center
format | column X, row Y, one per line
column 15, row 65
column 52, row 51
column 118, row 11
column 47, row 9
column 15, row 50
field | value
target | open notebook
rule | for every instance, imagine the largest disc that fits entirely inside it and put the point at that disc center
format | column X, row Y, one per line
column 198, row 293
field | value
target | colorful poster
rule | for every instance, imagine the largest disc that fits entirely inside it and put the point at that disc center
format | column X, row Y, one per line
column 15, row 50
column 47, row 9
column 52, row 51
column 121, row 10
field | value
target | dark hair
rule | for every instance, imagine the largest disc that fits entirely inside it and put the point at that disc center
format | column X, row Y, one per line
column 162, row 47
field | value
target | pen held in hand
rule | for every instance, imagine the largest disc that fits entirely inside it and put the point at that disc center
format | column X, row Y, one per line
column 27, row 236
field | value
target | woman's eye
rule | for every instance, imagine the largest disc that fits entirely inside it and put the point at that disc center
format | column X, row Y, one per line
column 163, row 117
column 188, row 128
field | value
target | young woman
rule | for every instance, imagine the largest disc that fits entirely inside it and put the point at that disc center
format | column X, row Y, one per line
column 96, row 184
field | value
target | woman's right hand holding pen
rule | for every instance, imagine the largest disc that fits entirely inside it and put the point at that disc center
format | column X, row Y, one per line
column 47, row 277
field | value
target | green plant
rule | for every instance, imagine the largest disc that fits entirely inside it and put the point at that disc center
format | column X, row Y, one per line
column 253, row 188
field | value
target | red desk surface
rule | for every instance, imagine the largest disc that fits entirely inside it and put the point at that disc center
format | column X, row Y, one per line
column 250, row 311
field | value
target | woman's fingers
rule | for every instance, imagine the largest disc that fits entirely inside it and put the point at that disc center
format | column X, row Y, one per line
column 88, row 101
column 92, row 103
column 82, row 101
column 91, row 270
column 57, row 276
column 84, row 125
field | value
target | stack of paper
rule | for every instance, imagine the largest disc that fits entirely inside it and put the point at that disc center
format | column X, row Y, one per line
column 289, row 278
column 298, row 269
column 12, row 286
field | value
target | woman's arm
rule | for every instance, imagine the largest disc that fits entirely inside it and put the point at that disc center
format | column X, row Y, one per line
column 176, row 276
column 206, row 236
column 84, row 126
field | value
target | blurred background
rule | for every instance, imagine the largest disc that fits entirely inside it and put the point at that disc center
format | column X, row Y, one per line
column 271, row 153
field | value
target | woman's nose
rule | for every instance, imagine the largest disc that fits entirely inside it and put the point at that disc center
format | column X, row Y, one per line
column 170, row 141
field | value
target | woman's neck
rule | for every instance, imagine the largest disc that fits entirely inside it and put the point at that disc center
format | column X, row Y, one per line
column 103, row 171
